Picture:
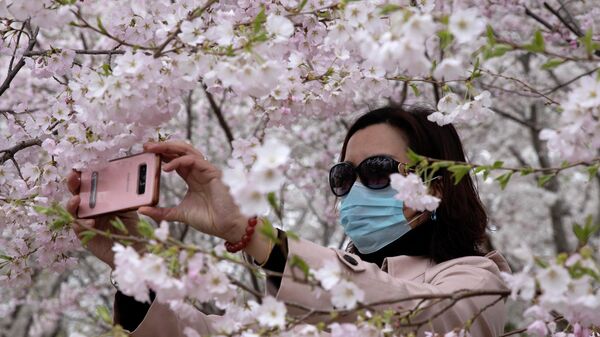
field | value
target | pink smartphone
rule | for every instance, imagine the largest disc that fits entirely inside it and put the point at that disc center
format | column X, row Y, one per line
column 124, row 184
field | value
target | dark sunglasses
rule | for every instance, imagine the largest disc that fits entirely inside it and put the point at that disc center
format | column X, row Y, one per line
column 374, row 172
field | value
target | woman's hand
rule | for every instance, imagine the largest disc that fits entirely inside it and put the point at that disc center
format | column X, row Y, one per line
column 208, row 205
column 100, row 246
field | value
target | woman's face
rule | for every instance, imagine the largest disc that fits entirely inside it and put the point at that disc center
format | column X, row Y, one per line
column 381, row 139
column 377, row 139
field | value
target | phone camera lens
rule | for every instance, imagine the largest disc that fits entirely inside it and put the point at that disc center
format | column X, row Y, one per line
column 142, row 179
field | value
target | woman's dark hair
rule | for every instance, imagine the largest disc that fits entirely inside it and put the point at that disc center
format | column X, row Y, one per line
column 459, row 228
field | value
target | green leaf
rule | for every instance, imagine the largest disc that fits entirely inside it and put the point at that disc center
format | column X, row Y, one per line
column 415, row 89
column 259, row 20
column 585, row 232
column 106, row 69
column 496, row 51
column 101, row 26
column 476, row 72
column 526, row 170
column 43, row 210
column 552, row 63
column 497, row 164
column 445, row 19
column 272, row 198
column 260, row 37
column 118, row 224
column 268, row 230
column 588, row 43
column 5, row 257
column 301, row 5
column 446, row 38
column 537, row 45
column 439, row 164
column 490, row 35
column 543, row 179
column 64, row 214
column 145, row 229
column 389, row 8
column 504, row 179
column 479, row 169
column 592, row 171
column 561, row 258
column 86, row 236
column 292, row 235
column 104, row 314
column 459, row 171
column 578, row 231
column 297, row 261
column 413, row 157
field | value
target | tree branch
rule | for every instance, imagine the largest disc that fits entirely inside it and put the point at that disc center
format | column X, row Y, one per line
column 219, row 113
column 11, row 151
column 11, row 75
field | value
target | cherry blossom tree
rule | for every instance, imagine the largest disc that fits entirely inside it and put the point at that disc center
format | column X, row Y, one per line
column 267, row 91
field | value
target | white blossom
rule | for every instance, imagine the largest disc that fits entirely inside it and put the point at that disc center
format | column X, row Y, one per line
column 329, row 274
column 554, row 280
column 346, row 295
column 280, row 26
column 466, row 25
column 413, row 192
column 271, row 313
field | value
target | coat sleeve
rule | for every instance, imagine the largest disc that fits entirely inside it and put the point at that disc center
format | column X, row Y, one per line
column 158, row 320
column 380, row 286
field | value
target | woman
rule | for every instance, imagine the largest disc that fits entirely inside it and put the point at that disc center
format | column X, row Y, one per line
column 395, row 252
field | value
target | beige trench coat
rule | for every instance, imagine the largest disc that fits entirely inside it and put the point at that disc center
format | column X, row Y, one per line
column 400, row 276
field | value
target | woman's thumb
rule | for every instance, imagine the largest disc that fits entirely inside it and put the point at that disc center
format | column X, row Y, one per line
column 160, row 213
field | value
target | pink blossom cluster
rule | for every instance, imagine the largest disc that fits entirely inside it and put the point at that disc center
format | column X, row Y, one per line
column 299, row 72
column 568, row 285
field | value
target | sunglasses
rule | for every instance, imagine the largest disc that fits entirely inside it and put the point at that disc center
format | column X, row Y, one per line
column 374, row 172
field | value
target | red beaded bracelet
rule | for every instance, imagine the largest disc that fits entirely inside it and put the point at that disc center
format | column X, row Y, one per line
column 233, row 247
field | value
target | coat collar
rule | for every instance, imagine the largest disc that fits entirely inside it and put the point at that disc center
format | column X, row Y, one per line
column 412, row 267
column 406, row 267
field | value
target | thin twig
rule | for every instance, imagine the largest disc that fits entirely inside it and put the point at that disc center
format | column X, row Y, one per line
column 562, row 85
column 194, row 14
column 523, row 122
column 539, row 19
column 575, row 30
column 77, row 51
column 219, row 113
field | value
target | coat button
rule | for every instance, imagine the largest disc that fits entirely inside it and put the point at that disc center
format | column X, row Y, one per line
column 351, row 260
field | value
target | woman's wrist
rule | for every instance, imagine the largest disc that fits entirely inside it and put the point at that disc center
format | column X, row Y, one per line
column 259, row 246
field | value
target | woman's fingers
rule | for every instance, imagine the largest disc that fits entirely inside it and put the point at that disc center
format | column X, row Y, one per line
column 171, row 147
column 73, row 181
column 188, row 161
column 167, row 157
column 161, row 213
column 73, row 205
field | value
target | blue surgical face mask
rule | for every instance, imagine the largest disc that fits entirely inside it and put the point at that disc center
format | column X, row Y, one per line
column 373, row 218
